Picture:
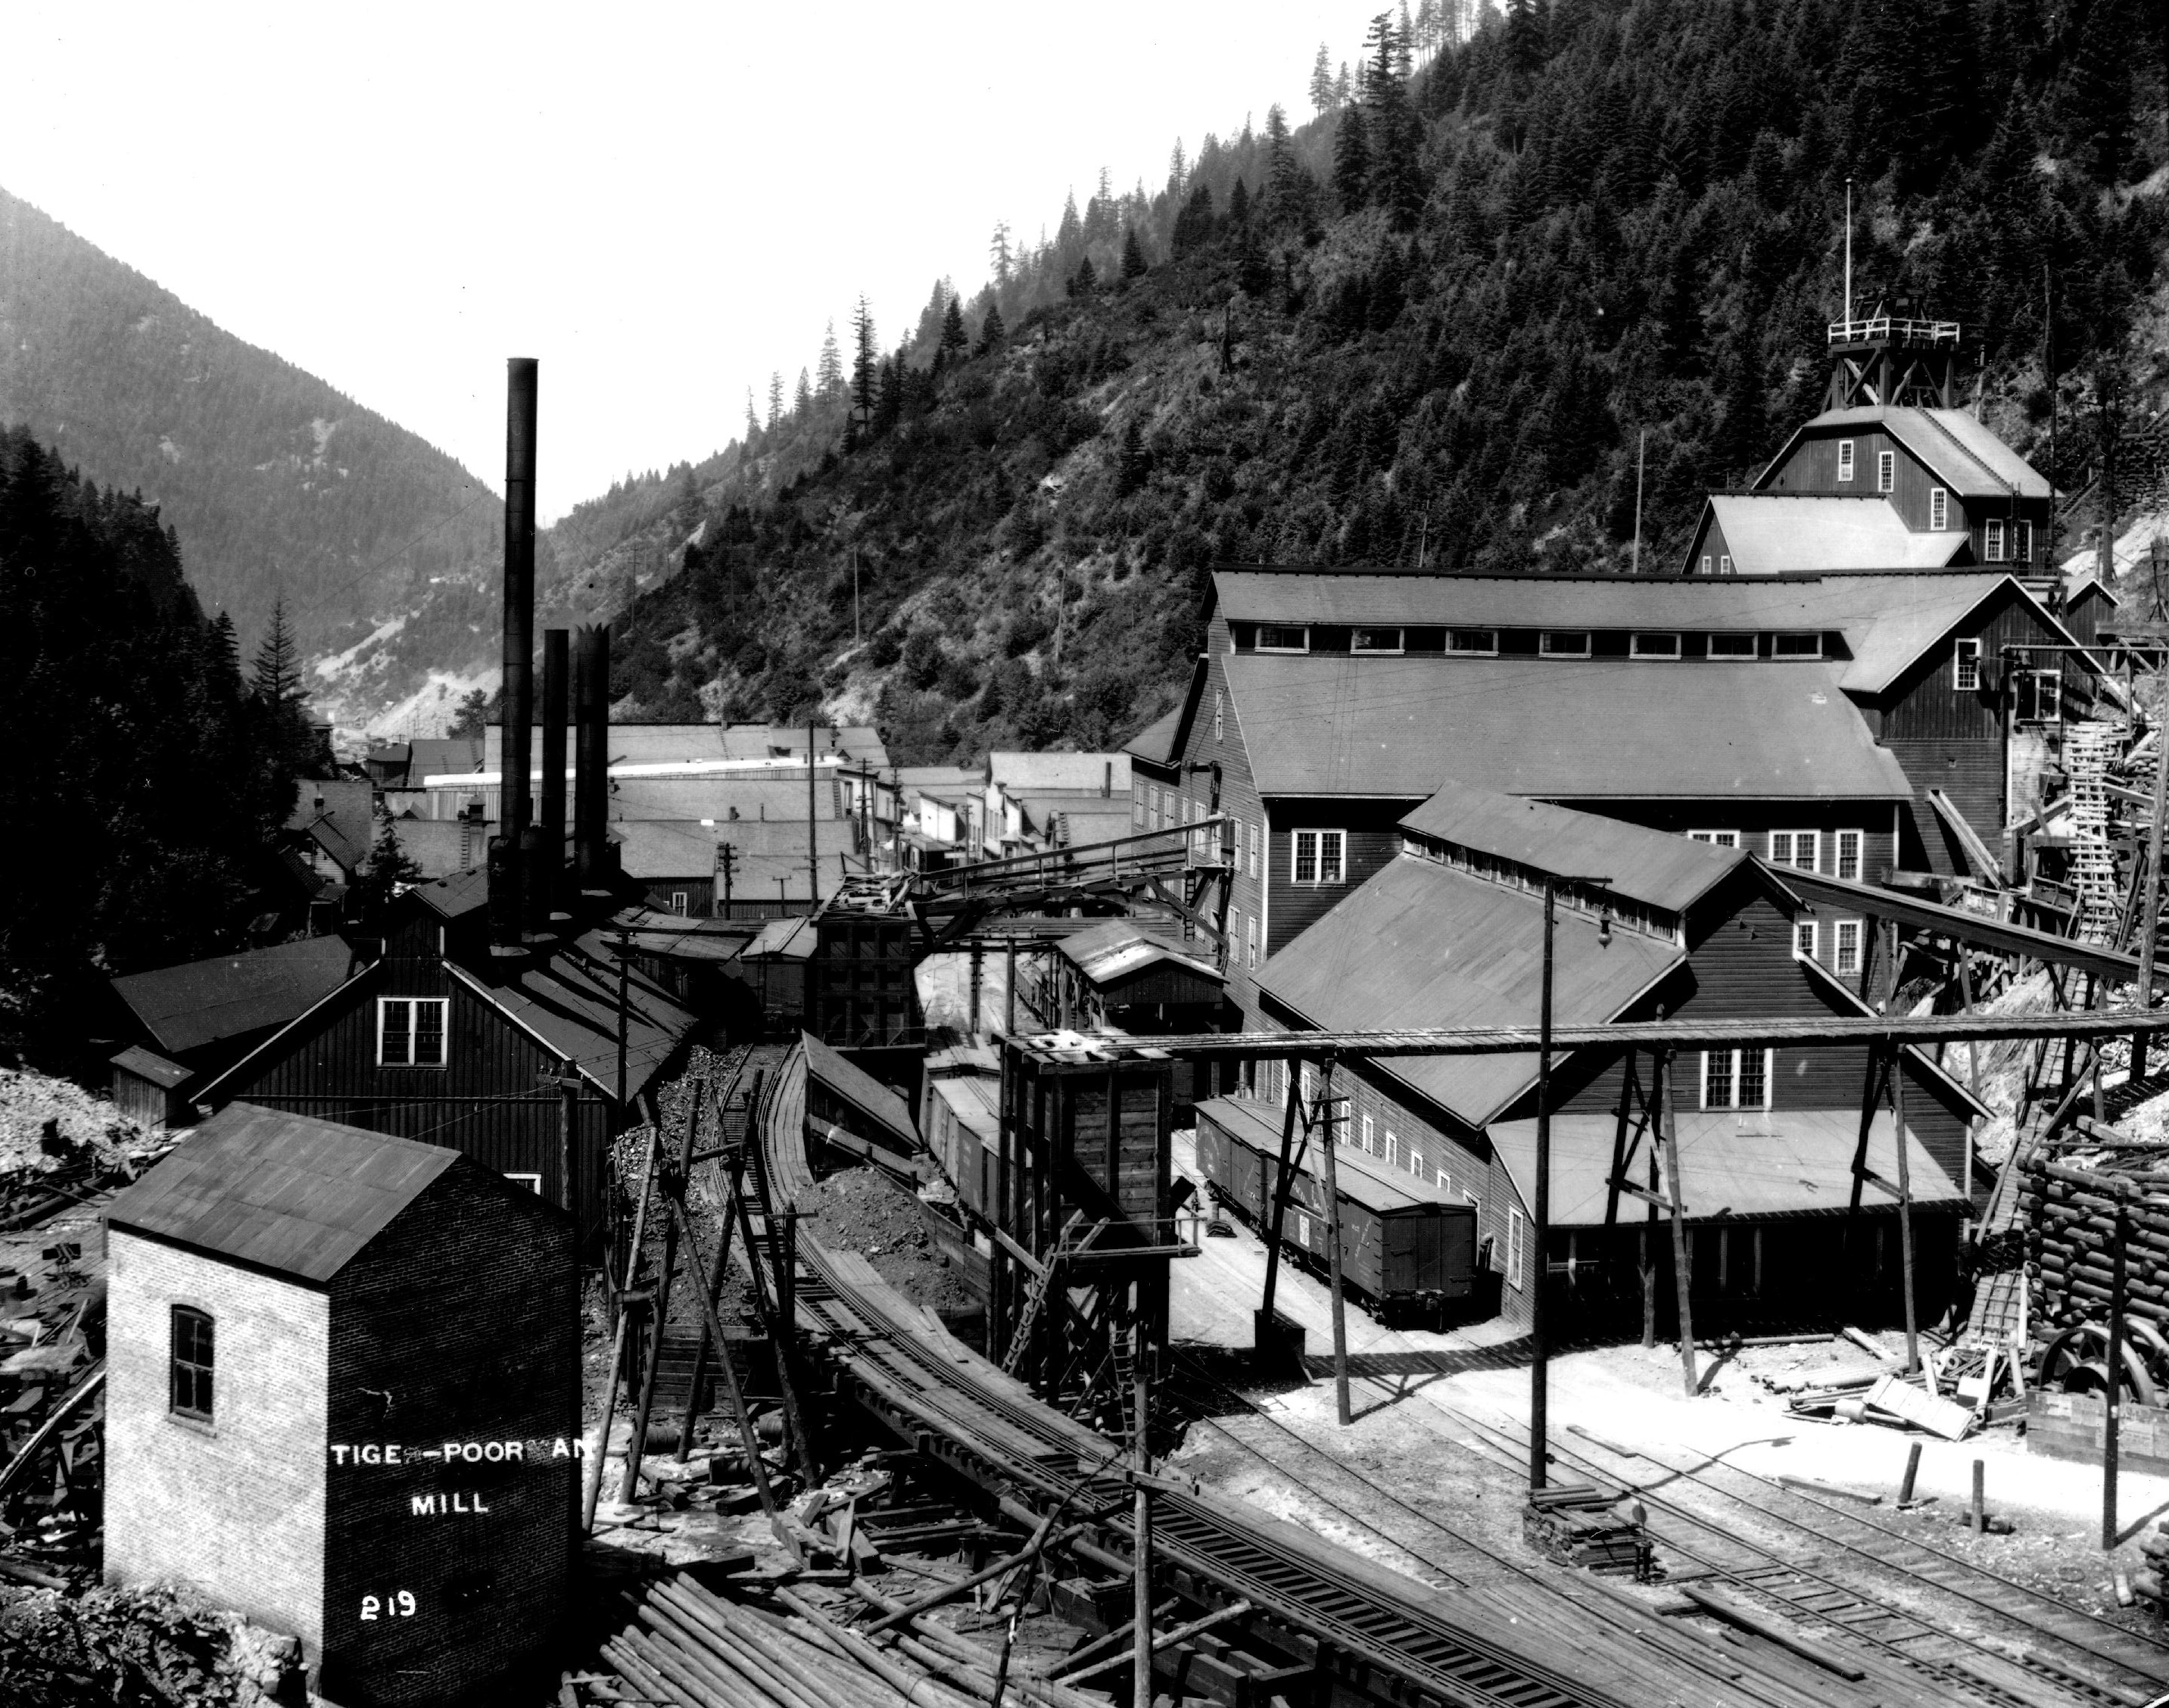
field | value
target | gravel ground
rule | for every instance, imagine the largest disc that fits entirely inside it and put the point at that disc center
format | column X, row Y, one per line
column 863, row 1210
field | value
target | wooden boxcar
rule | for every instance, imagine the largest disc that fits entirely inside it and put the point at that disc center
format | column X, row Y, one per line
column 963, row 1128
column 1402, row 1239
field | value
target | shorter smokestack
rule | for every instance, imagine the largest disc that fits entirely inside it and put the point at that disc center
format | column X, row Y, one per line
column 548, row 874
column 591, row 860
column 504, row 897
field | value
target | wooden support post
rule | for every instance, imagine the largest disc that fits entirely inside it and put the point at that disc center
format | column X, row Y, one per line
column 747, row 1438
column 617, row 1347
column 979, row 974
column 660, row 1316
column 1682, row 1258
column 1141, row 1577
column 1264, row 1323
column 1008, row 988
column 1002, row 1284
column 2113, row 1391
column 1904, row 1207
column 1324, row 1114
column 2150, row 923
column 1649, row 1231
column 719, row 1102
column 1979, row 1516
column 1913, row 1475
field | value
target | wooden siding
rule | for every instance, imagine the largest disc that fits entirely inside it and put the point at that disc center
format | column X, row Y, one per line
column 488, row 1102
column 1813, row 469
column 861, row 985
column 1879, row 823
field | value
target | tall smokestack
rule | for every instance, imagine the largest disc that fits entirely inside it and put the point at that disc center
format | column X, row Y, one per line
column 507, row 914
column 591, row 776
column 556, row 697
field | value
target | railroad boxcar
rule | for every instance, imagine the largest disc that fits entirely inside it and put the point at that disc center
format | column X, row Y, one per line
column 963, row 1128
column 1402, row 1239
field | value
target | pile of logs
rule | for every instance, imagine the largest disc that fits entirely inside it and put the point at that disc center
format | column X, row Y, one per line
column 688, row 1645
column 2071, row 1217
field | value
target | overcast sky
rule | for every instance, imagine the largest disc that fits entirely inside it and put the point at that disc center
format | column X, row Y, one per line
column 664, row 203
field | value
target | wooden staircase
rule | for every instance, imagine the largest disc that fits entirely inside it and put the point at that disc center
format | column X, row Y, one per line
column 2088, row 749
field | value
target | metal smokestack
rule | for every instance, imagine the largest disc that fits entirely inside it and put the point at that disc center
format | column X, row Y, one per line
column 591, row 777
column 556, row 697
column 508, row 867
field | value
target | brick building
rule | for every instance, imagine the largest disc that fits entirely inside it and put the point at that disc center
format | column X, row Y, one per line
column 1448, row 931
column 303, row 1318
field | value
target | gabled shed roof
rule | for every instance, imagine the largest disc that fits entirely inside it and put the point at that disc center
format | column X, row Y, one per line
column 1648, row 866
column 202, row 1002
column 289, row 1193
column 1963, row 453
column 1589, row 729
column 1123, row 947
column 1778, row 533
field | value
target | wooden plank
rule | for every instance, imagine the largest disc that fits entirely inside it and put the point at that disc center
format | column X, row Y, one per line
column 1930, row 1412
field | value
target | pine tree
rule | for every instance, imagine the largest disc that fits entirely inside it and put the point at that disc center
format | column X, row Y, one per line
column 999, row 254
column 1282, row 172
column 2099, row 88
column 225, row 649
column 471, row 721
column 276, row 674
column 1351, row 160
column 829, row 375
column 753, row 418
column 774, row 401
column 990, row 328
column 955, row 340
column 1344, row 90
column 1525, row 37
column 1071, row 231
column 1396, row 182
column 1134, row 257
column 1086, row 278
column 391, row 872
column 801, row 401
column 865, row 363
column 1178, row 170
column 1321, row 82
column 1239, row 205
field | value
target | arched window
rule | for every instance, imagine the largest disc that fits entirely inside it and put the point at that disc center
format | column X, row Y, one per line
column 191, row 1364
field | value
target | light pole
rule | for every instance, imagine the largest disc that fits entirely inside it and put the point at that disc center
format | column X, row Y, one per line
column 1539, row 1367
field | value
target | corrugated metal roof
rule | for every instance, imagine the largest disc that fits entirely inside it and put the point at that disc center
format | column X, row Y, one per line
column 285, row 1192
column 1961, row 451
column 1778, row 1163
column 860, row 1090
column 793, row 939
column 1648, row 866
column 148, row 1064
column 1585, row 729
column 202, row 1002
column 459, row 895
column 1779, row 533
column 1422, row 945
column 569, row 1001
column 1122, row 946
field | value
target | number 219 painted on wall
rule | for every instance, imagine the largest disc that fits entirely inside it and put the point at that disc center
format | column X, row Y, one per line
column 398, row 1606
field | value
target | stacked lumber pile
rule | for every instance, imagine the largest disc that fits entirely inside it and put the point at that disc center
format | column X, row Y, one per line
column 2070, row 1218
column 684, row 1644
column 1574, row 1524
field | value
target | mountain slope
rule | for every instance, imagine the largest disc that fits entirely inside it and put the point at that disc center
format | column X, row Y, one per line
column 278, row 485
column 1439, row 323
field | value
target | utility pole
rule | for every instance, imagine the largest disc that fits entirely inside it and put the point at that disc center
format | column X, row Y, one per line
column 624, row 977
column 858, row 631
column 812, row 856
column 1540, row 1366
column 2150, row 917
column 1641, row 455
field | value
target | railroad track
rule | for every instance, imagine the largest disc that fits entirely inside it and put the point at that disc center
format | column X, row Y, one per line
column 2084, row 1657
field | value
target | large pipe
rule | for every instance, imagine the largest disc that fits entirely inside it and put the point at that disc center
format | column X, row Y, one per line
column 520, row 392
column 557, row 701
column 591, row 778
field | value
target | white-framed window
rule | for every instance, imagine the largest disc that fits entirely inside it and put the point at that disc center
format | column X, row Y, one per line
column 1845, row 459
column 1416, row 1163
column 2022, row 542
column 1317, row 856
column 1564, row 644
column 1219, row 728
column 1444, row 1181
column 1257, row 842
column 1375, row 640
column 1720, row 838
column 1250, row 942
column 1992, row 541
column 1390, row 1150
column 1939, row 510
column 1480, row 642
column 1732, row 646
column 1804, row 939
column 1705, row 563
column 1847, row 851
column 1845, row 958
column 410, row 1031
column 1886, row 471
column 1137, row 806
column 1796, row 645
column 1370, row 1135
column 533, row 1182
column 1735, row 1079
column 1515, row 1222
column 1801, row 849
column 2037, row 696
column 1723, row 565
column 1152, row 820
column 1282, row 637
column 1654, row 646
column 1965, row 665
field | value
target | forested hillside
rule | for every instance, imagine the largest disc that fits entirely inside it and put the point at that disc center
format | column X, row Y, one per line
column 1435, row 321
column 146, row 772
column 278, row 485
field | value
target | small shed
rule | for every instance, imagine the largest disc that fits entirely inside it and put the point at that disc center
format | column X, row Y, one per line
column 343, row 1397
column 855, row 1111
column 1140, row 975
column 148, row 1088
column 204, row 1016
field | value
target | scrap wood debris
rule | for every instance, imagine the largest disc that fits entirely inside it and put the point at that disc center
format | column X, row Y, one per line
column 134, row 1648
